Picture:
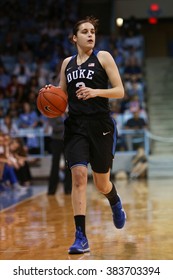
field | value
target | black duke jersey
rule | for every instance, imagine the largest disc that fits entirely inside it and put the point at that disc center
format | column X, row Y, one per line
column 90, row 74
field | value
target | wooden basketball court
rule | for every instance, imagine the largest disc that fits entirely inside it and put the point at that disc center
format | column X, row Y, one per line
column 40, row 227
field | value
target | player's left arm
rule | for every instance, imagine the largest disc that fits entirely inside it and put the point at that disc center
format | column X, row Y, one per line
column 108, row 63
column 117, row 89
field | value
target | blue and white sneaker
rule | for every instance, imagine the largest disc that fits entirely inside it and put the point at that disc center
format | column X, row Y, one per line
column 119, row 215
column 80, row 245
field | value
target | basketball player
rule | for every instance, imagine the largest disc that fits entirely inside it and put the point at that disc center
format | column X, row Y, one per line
column 90, row 132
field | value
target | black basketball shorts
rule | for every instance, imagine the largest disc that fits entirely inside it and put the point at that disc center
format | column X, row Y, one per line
column 90, row 141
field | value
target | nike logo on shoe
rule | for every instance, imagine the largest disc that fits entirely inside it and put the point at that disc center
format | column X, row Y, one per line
column 83, row 244
column 105, row 133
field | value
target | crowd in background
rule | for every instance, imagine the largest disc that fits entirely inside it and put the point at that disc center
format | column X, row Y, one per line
column 34, row 40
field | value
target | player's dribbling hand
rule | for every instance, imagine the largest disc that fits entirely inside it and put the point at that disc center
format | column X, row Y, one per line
column 47, row 87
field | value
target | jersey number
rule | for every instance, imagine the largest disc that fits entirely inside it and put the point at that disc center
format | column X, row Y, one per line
column 80, row 84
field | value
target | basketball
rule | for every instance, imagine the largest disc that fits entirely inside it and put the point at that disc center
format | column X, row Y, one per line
column 52, row 102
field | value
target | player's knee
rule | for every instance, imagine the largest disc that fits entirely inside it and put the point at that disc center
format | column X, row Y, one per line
column 79, row 178
column 102, row 185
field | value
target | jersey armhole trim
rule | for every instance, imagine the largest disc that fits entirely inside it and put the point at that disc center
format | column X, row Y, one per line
column 95, row 52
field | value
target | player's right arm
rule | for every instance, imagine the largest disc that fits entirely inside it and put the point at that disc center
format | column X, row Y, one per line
column 63, row 83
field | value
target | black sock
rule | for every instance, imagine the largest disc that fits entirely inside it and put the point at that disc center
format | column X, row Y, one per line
column 112, row 196
column 80, row 223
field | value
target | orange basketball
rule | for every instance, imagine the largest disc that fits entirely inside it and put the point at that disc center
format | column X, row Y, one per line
column 52, row 102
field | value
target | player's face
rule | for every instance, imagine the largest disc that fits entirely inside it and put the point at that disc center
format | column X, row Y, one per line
column 85, row 37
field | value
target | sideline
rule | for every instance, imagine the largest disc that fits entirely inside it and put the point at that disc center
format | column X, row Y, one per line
column 21, row 199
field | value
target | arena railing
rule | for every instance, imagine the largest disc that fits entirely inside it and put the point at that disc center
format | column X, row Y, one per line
column 142, row 137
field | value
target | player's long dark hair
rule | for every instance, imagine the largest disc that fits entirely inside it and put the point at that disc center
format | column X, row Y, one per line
column 94, row 21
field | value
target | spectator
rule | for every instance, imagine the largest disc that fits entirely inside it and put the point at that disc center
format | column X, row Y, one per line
column 21, row 93
column 9, row 127
column 41, row 72
column 124, row 104
column 4, row 78
column 57, row 150
column 7, row 171
column 13, row 111
column 18, row 152
column 119, row 59
column 139, row 165
column 132, row 71
column 13, row 88
column 1, row 115
column 22, row 71
column 4, row 101
column 137, row 124
column 135, row 88
column 133, row 42
column 31, row 99
column 33, row 85
column 115, row 113
column 25, row 53
column 30, row 119
column 45, row 123
column 134, row 105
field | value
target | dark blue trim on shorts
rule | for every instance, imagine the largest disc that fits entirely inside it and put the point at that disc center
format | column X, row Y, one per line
column 72, row 164
column 114, row 137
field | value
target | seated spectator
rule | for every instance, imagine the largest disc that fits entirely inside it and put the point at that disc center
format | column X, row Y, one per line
column 121, row 175
column 119, row 59
column 135, row 123
column 8, row 178
column 8, row 126
column 47, row 128
column 22, row 71
column 124, row 103
column 31, row 98
column 139, row 165
column 13, row 111
column 56, row 57
column 118, row 117
column 16, row 91
column 134, row 88
column 32, row 85
column 132, row 70
column 24, row 52
column 1, row 115
column 4, row 77
column 133, row 73
column 41, row 72
column 12, row 89
column 4, row 101
column 2, row 155
column 29, row 119
column 18, row 152
column 115, row 113
column 133, row 44
column 134, row 105
column 52, row 29
column 132, row 52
